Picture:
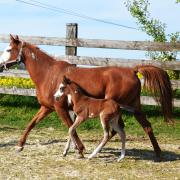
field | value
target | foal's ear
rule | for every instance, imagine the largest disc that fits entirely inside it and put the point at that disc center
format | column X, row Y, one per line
column 66, row 80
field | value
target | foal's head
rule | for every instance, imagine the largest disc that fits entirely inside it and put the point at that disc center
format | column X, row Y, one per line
column 12, row 53
column 67, row 88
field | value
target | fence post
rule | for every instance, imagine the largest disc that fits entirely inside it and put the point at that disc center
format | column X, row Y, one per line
column 71, row 33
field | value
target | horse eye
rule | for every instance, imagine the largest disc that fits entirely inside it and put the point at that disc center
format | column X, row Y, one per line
column 61, row 89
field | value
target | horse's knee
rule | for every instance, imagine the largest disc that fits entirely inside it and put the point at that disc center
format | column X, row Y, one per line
column 148, row 130
column 106, row 136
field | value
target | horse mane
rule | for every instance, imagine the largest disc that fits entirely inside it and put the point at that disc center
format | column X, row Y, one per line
column 39, row 52
column 45, row 56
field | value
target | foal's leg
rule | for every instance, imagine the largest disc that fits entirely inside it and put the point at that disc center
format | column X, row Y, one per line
column 72, row 130
column 120, row 130
column 68, row 144
column 43, row 112
column 63, row 113
column 105, row 125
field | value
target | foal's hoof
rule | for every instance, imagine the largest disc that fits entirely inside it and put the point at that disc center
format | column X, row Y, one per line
column 120, row 159
column 64, row 154
column 19, row 149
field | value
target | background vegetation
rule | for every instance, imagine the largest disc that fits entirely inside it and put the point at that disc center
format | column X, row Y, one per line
column 17, row 111
column 156, row 29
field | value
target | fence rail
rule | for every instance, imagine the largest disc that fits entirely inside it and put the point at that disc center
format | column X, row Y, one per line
column 24, row 74
column 146, row 100
column 71, row 42
column 98, row 43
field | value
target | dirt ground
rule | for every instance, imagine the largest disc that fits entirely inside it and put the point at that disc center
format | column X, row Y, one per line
column 42, row 158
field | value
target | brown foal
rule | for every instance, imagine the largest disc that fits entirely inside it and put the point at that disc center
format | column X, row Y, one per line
column 87, row 107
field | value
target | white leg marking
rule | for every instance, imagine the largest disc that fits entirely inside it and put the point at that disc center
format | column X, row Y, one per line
column 104, row 140
column 66, row 149
column 122, row 135
column 96, row 150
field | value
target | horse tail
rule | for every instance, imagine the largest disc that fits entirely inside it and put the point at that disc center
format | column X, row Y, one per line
column 157, row 82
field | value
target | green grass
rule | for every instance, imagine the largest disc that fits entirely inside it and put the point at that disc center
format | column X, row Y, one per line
column 17, row 111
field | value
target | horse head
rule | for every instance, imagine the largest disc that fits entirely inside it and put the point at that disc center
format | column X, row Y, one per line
column 12, row 54
column 67, row 88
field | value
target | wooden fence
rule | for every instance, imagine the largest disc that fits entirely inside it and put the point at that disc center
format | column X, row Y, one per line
column 72, row 42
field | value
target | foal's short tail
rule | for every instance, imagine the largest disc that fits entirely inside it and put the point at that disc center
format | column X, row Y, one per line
column 157, row 82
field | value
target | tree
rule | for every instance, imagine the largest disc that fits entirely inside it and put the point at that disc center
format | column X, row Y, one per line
column 154, row 28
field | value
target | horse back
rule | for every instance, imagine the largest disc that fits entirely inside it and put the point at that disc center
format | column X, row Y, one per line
column 117, row 83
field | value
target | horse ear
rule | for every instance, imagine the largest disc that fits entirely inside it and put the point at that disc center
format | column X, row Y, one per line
column 66, row 80
column 14, row 39
column 11, row 37
column 17, row 37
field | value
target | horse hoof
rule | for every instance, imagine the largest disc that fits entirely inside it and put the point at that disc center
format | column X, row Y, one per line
column 157, row 159
column 19, row 149
column 80, row 156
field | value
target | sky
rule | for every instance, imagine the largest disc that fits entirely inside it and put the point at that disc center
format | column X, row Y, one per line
column 22, row 19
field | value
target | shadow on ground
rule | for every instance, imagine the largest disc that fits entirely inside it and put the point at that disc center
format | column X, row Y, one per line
column 142, row 154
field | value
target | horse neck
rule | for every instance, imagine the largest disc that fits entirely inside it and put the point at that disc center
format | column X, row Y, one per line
column 37, row 62
column 78, row 98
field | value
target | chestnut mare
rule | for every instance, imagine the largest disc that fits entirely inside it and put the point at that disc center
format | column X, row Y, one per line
column 118, row 83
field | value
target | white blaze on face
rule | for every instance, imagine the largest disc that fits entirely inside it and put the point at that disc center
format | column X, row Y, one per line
column 59, row 92
column 69, row 99
column 5, row 55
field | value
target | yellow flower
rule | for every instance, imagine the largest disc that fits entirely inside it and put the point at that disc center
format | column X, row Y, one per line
column 16, row 81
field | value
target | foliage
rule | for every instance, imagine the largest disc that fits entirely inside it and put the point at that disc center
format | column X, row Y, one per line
column 17, row 82
column 155, row 29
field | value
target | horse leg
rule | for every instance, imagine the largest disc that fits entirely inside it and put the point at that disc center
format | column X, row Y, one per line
column 149, row 131
column 72, row 130
column 120, row 130
column 43, row 112
column 120, row 124
column 64, row 114
column 68, row 144
column 105, row 125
